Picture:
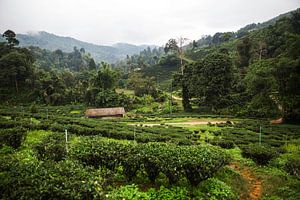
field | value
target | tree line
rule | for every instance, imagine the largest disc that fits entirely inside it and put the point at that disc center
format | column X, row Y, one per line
column 255, row 75
column 34, row 75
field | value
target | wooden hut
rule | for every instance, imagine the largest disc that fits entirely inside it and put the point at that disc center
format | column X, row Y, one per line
column 105, row 112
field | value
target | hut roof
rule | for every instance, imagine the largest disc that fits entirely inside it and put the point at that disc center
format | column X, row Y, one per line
column 104, row 112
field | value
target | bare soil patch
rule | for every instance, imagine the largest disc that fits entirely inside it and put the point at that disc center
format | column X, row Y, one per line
column 185, row 123
column 255, row 184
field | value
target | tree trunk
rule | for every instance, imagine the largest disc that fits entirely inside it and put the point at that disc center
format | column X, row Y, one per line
column 16, row 83
column 186, row 98
column 181, row 64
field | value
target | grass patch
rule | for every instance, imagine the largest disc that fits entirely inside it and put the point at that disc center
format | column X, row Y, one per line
column 277, row 183
column 35, row 137
column 234, row 179
column 75, row 112
column 6, row 117
column 125, row 91
column 34, row 120
column 236, row 155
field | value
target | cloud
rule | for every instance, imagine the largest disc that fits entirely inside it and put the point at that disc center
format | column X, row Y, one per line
column 136, row 21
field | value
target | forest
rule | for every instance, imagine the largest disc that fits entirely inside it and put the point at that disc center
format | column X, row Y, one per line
column 214, row 118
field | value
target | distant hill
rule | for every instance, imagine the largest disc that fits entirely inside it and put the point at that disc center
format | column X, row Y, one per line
column 220, row 37
column 258, row 26
column 208, row 44
column 53, row 42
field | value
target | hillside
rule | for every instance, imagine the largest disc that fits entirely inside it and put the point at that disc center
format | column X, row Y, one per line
column 53, row 42
column 219, row 37
column 206, row 45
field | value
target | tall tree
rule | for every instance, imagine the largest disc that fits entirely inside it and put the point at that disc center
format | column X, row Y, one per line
column 10, row 36
column 210, row 80
column 92, row 64
column 177, row 47
column 106, row 78
column 243, row 48
column 142, row 85
column 15, row 68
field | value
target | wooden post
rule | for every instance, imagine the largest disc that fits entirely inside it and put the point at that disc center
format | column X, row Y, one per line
column 66, row 134
column 260, row 135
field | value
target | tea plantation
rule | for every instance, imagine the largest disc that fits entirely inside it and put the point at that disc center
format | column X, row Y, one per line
column 124, row 159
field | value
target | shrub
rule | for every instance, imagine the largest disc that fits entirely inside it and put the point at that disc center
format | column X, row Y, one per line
column 127, row 192
column 133, row 192
column 216, row 189
column 260, row 154
column 197, row 163
column 292, row 165
column 6, row 150
column 49, row 180
column 98, row 152
column 12, row 137
column 161, row 157
column 223, row 143
column 33, row 108
column 174, row 193
column 150, row 156
column 201, row 162
column 131, row 161
column 52, row 147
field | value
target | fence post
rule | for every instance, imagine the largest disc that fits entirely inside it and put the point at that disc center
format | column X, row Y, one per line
column 66, row 134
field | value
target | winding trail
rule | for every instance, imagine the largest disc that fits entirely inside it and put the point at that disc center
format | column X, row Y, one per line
column 255, row 184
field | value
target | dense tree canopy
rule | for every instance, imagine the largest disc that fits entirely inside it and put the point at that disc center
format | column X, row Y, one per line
column 210, row 79
column 254, row 71
column 10, row 36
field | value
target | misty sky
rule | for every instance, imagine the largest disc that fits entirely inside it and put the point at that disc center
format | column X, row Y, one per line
column 136, row 21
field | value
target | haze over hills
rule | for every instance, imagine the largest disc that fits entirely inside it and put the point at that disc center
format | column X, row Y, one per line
column 53, row 42
column 118, row 51
column 219, row 37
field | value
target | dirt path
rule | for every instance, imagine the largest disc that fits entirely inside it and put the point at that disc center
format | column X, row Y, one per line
column 255, row 184
column 185, row 123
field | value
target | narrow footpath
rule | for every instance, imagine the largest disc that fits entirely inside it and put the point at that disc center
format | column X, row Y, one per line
column 255, row 184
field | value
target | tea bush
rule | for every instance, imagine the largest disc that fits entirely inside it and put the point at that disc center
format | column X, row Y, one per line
column 52, row 147
column 260, row 154
column 127, row 192
column 12, row 137
column 133, row 192
column 216, row 189
column 196, row 163
column 223, row 143
column 292, row 165
column 49, row 180
column 201, row 162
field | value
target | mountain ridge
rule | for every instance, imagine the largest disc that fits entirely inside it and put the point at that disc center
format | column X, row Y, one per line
column 50, row 41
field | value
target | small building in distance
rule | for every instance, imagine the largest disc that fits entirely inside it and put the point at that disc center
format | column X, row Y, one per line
column 105, row 112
